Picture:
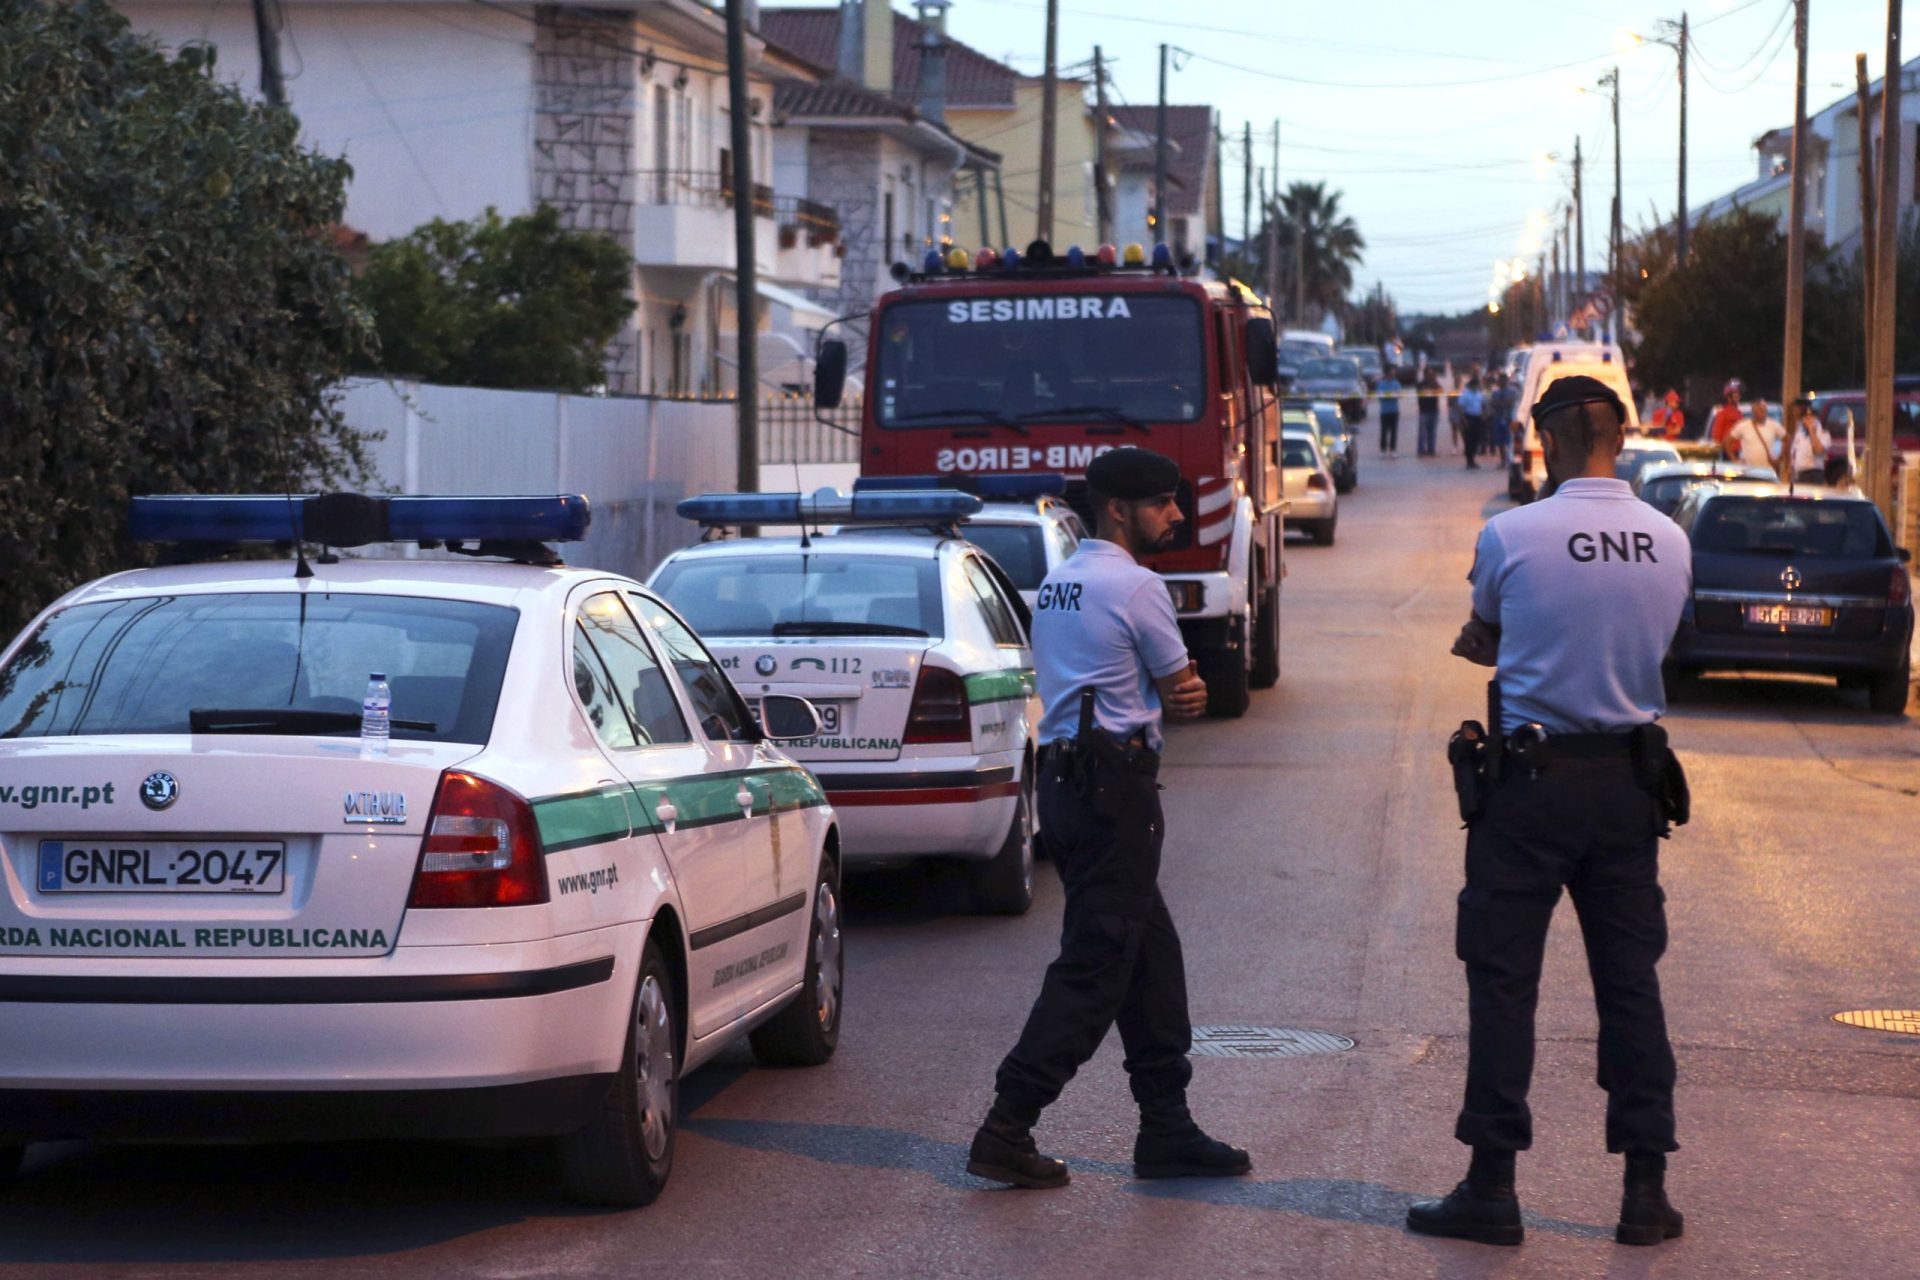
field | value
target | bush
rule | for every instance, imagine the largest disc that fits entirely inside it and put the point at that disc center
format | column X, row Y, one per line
column 520, row 302
column 172, row 315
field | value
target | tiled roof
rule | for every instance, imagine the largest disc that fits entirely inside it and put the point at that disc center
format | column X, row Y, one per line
column 799, row 98
column 973, row 79
column 1192, row 129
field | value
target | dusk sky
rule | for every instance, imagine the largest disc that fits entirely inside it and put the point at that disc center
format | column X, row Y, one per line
column 1435, row 119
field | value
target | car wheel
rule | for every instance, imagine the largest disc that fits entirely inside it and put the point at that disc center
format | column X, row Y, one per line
column 1887, row 694
column 1266, row 640
column 1225, row 672
column 10, row 1162
column 623, row 1155
column 1003, row 886
column 1679, row 683
column 1322, row 531
column 807, row 1031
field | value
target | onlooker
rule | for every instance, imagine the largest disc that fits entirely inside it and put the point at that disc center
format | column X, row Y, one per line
column 1428, row 399
column 1807, row 460
column 1501, row 407
column 1670, row 419
column 1728, row 415
column 1473, row 420
column 1388, row 389
column 1755, row 441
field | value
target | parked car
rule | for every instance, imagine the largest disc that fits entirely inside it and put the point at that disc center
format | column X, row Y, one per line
column 1028, row 538
column 1335, row 378
column 1641, row 452
column 1661, row 485
column 1837, row 409
column 1337, row 438
column 1293, row 354
column 1368, row 358
column 1803, row 581
column 1313, row 504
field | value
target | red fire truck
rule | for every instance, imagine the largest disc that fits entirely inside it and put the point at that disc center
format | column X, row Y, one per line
column 1028, row 363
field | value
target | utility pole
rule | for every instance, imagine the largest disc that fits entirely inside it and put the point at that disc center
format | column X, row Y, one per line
column 1579, row 219
column 1218, row 216
column 1246, row 196
column 1680, row 233
column 1796, row 224
column 1566, row 252
column 745, row 296
column 267, row 20
column 1159, row 228
column 1049, row 119
column 1887, row 215
column 1557, row 288
column 1614, row 252
column 1103, row 199
column 1867, row 234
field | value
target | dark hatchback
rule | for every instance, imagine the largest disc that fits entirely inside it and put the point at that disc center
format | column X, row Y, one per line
column 1806, row 581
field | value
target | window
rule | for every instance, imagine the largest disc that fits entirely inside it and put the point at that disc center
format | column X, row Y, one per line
column 595, row 687
column 1791, row 527
column 1000, row 620
column 641, row 687
column 806, row 593
column 723, row 716
column 1020, row 549
column 143, row 665
column 662, row 146
column 886, row 220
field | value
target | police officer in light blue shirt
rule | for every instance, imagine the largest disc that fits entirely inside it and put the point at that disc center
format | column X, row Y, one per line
column 1109, row 658
column 1575, row 600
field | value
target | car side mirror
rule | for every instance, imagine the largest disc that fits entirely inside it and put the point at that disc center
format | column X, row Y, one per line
column 785, row 718
column 830, row 374
column 1263, row 353
column 1905, row 554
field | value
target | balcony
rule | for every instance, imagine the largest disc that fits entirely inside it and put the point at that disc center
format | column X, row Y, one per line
column 684, row 218
column 809, row 238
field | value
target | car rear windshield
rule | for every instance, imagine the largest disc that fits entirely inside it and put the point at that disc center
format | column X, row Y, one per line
column 145, row 664
column 1299, row 454
column 1330, row 367
column 1020, row 549
column 805, row 592
column 1793, row 527
column 943, row 363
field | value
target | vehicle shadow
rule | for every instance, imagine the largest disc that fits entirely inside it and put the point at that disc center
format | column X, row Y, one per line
column 1806, row 699
column 280, row 1203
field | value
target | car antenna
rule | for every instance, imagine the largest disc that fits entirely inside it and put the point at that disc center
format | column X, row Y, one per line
column 806, row 543
column 301, row 569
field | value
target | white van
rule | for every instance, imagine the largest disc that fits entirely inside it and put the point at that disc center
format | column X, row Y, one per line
column 1314, row 336
column 1547, row 363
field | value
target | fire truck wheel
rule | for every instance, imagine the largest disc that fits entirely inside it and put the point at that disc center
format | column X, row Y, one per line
column 1266, row 641
column 1226, row 674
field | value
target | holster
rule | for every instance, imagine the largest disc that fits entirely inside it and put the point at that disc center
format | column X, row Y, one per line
column 1657, row 769
column 1100, row 769
column 1467, row 752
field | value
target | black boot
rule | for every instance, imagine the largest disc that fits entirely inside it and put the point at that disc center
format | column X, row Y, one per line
column 1646, row 1216
column 1171, row 1145
column 1004, row 1151
column 1483, row 1208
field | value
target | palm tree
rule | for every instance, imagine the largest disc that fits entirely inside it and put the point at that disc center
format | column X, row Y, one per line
column 1330, row 247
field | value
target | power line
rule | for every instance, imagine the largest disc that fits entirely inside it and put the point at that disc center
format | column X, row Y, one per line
column 1401, row 84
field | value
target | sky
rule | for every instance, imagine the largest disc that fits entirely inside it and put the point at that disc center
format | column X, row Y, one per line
column 1449, row 125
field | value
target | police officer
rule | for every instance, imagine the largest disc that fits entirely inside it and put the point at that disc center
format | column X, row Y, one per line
column 1575, row 599
column 1108, row 654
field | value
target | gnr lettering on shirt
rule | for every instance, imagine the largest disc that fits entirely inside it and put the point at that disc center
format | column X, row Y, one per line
column 1608, row 547
column 1060, row 595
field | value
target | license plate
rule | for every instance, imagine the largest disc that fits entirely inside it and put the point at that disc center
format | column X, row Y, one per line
column 84, row 866
column 829, row 716
column 1789, row 615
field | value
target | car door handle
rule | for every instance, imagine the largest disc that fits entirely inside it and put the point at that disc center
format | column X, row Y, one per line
column 744, row 797
column 667, row 814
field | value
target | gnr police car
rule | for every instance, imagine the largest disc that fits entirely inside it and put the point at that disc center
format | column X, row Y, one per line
column 578, row 870
column 913, row 646
column 1024, row 523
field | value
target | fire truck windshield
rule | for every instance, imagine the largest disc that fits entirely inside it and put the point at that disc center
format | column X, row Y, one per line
column 1033, row 357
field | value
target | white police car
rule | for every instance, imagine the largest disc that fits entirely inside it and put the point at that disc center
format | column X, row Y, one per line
column 913, row 646
column 576, row 872
column 1024, row 523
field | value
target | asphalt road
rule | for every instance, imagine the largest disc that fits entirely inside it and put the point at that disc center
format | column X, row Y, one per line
column 1312, row 863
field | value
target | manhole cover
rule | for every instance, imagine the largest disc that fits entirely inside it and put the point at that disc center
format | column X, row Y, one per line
column 1904, row 1021
column 1264, row 1042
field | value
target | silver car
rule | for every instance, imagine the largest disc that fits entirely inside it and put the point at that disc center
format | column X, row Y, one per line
column 1313, row 507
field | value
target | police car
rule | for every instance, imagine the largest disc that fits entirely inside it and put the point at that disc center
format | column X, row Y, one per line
column 1024, row 523
column 577, row 870
column 913, row 646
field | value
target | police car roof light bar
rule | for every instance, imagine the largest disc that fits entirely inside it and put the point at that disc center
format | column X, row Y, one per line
column 896, row 506
column 1014, row 485
column 353, row 520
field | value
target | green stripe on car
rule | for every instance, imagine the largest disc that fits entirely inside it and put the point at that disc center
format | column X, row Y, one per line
column 583, row 818
column 999, row 686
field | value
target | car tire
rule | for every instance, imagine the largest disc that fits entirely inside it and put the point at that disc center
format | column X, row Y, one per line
column 1266, row 640
column 1003, row 885
column 807, row 1031
column 1226, row 674
column 623, row 1155
column 10, row 1157
column 1322, row 531
column 1887, row 694
column 1679, row 683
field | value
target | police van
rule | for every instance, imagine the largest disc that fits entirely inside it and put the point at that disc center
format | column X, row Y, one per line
column 576, row 867
column 913, row 646
column 1547, row 364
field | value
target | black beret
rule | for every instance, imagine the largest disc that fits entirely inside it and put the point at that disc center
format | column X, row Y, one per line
column 1578, row 389
column 1133, row 474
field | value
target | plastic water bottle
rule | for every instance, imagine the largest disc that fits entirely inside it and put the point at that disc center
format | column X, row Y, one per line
column 376, row 715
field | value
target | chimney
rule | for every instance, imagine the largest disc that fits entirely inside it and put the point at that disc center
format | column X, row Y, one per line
column 932, row 97
column 850, row 55
column 876, row 42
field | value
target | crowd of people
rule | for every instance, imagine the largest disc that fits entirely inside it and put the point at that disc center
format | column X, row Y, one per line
column 1480, row 412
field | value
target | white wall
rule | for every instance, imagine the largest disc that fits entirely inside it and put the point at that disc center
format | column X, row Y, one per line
column 433, row 106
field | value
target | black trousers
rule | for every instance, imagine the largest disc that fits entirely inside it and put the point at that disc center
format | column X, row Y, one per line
column 1120, row 960
column 1389, row 432
column 1473, row 433
column 1585, row 825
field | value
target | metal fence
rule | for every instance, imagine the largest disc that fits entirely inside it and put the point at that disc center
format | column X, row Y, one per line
column 789, row 431
column 695, row 187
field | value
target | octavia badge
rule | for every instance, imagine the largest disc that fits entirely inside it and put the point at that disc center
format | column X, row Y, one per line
column 159, row 790
column 765, row 664
column 1790, row 578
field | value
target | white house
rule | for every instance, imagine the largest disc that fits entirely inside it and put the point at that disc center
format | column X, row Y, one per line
column 616, row 115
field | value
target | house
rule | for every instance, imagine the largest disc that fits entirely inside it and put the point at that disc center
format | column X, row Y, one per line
column 1193, row 166
column 616, row 115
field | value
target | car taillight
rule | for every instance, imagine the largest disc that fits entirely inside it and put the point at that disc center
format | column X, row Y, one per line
column 1316, row 481
column 939, row 711
column 1900, row 590
column 482, row 848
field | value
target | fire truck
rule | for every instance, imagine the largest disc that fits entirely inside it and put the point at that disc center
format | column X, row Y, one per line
column 1012, row 364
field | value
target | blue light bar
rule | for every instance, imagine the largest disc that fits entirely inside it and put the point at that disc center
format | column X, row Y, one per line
column 1162, row 255
column 828, row 506
column 933, row 263
column 352, row 520
column 1009, row 484
column 1076, row 256
column 1009, row 258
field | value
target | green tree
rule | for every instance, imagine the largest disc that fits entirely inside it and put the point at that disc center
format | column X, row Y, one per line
column 172, row 317
column 1331, row 246
column 1372, row 318
column 518, row 302
column 1720, row 314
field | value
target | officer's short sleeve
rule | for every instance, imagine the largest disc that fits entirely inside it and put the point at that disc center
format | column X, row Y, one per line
column 1156, row 631
column 1489, row 564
